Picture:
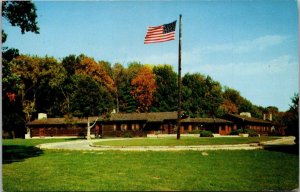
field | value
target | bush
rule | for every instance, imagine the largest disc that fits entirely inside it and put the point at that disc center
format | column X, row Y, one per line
column 128, row 134
column 251, row 133
column 236, row 132
column 205, row 133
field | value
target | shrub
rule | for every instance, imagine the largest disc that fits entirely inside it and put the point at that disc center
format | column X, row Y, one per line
column 251, row 133
column 205, row 133
column 128, row 134
column 236, row 132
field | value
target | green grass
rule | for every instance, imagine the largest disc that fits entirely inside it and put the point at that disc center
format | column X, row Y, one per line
column 34, row 142
column 184, row 141
column 54, row 170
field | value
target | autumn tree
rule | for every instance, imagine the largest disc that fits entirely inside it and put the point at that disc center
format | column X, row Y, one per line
column 231, row 99
column 97, row 71
column 144, row 87
column 23, row 15
column 123, row 78
column 39, row 79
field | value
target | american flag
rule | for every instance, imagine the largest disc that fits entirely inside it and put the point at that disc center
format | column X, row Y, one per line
column 160, row 33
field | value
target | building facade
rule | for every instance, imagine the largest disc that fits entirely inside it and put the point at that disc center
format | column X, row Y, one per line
column 141, row 124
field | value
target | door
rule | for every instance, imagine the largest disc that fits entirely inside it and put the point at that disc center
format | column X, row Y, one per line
column 42, row 132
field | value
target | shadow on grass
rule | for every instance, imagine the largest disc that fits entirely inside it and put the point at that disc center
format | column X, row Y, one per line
column 291, row 149
column 17, row 153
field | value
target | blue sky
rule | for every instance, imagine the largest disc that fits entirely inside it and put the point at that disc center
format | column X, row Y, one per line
column 251, row 46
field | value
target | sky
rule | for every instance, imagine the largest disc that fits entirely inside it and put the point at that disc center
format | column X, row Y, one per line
column 250, row 46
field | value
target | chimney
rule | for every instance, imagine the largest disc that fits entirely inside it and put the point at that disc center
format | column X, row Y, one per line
column 270, row 116
column 246, row 114
column 42, row 116
column 264, row 116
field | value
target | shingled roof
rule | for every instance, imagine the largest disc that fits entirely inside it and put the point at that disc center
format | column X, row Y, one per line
column 242, row 118
column 61, row 121
column 126, row 117
column 206, row 120
column 149, row 117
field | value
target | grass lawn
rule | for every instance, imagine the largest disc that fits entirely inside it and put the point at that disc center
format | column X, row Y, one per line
column 184, row 141
column 53, row 170
column 33, row 142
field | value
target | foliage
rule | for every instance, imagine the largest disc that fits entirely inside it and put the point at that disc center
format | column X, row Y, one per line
column 251, row 133
column 291, row 118
column 81, row 86
column 128, row 134
column 89, row 98
column 236, row 132
column 22, row 14
column 193, row 94
column 124, row 100
column 201, row 95
column 88, row 66
column 205, row 133
column 144, row 87
column 166, row 93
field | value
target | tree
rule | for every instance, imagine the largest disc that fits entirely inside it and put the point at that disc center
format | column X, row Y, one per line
column 88, row 66
column 49, row 96
column 28, row 70
column 166, row 93
column 291, row 118
column 144, row 87
column 126, row 102
column 21, row 14
column 89, row 98
column 39, row 81
column 192, row 94
column 120, row 81
column 212, row 97
column 234, row 99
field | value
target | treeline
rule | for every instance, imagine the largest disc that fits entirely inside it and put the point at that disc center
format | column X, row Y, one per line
column 80, row 86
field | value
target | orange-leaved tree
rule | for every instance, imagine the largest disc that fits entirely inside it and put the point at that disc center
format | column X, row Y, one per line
column 89, row 66
column 143, row 88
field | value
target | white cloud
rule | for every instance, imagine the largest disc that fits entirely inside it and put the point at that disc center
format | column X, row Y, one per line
column 260, row 43
column 276, row 66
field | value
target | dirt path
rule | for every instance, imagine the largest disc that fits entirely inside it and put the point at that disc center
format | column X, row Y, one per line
column 88, row 145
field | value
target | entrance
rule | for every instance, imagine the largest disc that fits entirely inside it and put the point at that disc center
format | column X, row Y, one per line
column 42, row 132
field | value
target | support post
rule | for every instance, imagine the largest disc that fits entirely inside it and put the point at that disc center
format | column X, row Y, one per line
column 179, row 80
column 88, row 136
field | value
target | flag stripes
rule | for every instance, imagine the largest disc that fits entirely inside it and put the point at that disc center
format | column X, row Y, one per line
column 160, row 33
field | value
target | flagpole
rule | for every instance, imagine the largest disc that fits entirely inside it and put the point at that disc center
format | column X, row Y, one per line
column 179, row 80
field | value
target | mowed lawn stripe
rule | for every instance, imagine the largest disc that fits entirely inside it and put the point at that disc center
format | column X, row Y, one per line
column 184, row 141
